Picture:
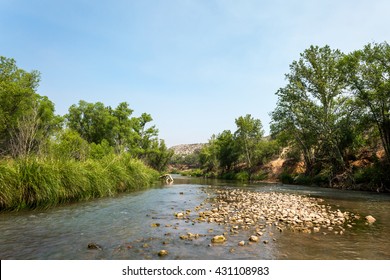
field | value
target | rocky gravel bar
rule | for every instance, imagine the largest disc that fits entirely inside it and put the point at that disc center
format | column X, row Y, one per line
column 243, row 209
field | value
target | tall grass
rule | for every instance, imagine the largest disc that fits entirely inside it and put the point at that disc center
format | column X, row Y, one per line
column 37, row 182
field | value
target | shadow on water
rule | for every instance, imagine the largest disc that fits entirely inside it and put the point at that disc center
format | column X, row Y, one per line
column 138, row 225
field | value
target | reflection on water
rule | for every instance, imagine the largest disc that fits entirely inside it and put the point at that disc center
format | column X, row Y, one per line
column 126, row 228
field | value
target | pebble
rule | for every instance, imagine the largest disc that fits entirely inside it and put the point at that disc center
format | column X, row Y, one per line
column 253, row 238
column 179, row 215
column 370, row 219
column 94, row 246
column 218, row 239
column 163, row 253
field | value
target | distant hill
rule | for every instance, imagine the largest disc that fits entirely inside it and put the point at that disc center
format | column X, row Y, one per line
column 187, row 149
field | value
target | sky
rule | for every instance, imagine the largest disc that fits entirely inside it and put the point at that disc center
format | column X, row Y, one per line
column 194, row 65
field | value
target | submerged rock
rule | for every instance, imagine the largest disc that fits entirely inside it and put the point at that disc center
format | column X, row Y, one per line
column 218, row 239
column 163, row 253
column 94, row 246
column 253, row 238
column 370, row 219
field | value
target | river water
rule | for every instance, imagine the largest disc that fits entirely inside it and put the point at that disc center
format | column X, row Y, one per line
column 138, row 225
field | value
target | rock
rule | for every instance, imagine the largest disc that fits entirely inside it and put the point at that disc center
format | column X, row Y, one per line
column 266, row 211
column 253, row 238
column 163, row 253
column 184, row 237
column 218, row 239
column 241, row 243
column 370, row 219
column 94, row 246
column 155, row 225
column 179, row 215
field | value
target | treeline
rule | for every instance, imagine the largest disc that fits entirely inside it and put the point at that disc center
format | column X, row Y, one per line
column 232, row 155
column 333, row 111
column 47, row 158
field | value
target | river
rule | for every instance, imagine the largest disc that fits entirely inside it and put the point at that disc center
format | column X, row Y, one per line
column 138, row 225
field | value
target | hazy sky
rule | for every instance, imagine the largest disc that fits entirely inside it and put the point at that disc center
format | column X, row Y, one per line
column 194, row 65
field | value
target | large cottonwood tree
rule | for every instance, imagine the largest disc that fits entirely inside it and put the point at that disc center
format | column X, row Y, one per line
column 314, row 109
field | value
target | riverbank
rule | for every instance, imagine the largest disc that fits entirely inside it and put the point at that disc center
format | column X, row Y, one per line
column 42, row 182
column 368, row 171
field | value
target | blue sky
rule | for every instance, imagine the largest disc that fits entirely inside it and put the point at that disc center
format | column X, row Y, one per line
column 194, row 65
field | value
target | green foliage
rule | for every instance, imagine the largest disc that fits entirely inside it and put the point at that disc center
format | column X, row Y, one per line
column 190, row 160
column 96, row 154
column 194, row 173
column 99, row 151
column 69, row 145
column 248, row 134
column 237, row 155
column 265, row 150
column 375, row 177
column 302, row 179
column 315, row 110
column 108, row 130
column 286, row 178
column 93, row 121
column 243, row 176
column 33, row 182
column 368, row 73
column 26, row 119
column 209, row 156
column 159, row 155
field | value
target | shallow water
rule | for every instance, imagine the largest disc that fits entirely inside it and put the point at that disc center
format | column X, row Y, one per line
column 125, row 227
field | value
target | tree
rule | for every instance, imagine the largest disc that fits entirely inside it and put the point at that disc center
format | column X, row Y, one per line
column 93, row 121
column 144, row 136
column 227, row 150
column 208, row 156
column 26, row 118
column 248, row 134
column 369, row 76
column 315, row 109
column 159, row 155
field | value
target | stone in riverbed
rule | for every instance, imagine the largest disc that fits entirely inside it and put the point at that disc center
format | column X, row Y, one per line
column 241, row 243
column 370, row 219
column 162, row 253
column 94, row 246
column 253, row 238
column 218, row 239
column 179, row 215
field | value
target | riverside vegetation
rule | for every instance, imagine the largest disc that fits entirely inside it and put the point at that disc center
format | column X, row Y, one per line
column 333, row 117
column 330, row 127
column 93, row 151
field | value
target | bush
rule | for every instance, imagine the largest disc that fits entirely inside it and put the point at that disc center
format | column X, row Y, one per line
column 243, row 176
column 302, row 179
column 286, row 178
